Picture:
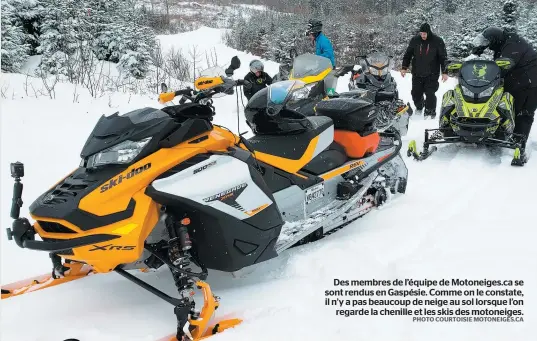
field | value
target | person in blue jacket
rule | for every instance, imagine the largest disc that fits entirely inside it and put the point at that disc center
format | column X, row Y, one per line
column 323, row 46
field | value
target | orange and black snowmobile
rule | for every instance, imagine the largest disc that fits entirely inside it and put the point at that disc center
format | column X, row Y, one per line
column 167, row 187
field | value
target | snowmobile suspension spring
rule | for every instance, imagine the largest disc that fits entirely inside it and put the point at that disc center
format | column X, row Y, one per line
column 179, row 238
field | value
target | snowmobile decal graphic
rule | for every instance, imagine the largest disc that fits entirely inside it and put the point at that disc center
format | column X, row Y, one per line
column 117, row 180
column 229, row 196
column 480, row 71
column 111, row 247
column 197, row 170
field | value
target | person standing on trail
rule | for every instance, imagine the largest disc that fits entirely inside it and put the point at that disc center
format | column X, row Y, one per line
column 428, row 55
column 520, row 81
column 323, row 46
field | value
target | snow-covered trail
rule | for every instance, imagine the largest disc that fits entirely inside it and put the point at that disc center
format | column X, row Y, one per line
column 463, row 216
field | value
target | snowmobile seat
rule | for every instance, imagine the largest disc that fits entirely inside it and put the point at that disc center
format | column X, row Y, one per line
column 292, row 152
column 351, row 114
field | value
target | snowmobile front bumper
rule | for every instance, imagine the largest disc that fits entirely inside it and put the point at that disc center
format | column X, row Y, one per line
column 437, row 137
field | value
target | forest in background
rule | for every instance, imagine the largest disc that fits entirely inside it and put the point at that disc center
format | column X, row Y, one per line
column 361, row 27
column 73, row 35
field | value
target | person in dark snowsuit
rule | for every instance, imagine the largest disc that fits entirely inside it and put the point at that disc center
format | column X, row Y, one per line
column 428, row 55
column 256, row 79
column 521, row 80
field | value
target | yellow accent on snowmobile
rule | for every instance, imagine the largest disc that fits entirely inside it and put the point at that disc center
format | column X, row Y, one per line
column 504, row 63
column 454, row 67
column 205, row 83
column 166, row 97
column 313, row 79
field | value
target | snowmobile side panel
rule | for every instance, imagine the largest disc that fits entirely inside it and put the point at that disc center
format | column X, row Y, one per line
column 290, row 202
column 222, row 241
column 235, row 194
column 236, row 221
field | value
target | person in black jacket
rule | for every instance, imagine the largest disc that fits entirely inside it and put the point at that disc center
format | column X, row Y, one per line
column 428, row 54
column 521, row 80
column 256, row 79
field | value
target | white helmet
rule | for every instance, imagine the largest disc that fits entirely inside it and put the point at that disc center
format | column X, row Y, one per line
column 256, row 66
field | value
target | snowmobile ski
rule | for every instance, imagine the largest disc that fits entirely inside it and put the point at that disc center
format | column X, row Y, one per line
column 75, row 271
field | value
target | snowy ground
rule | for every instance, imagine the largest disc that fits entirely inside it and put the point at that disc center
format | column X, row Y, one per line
column 463, row 216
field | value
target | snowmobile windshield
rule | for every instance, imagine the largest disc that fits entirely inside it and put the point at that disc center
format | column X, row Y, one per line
column 216, row 71
column 309, row 65
column 378, row 64
column 280, row 93
column 480, row 73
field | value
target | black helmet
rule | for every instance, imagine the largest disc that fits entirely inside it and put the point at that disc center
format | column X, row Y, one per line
column 314, row 27
column 492, row 37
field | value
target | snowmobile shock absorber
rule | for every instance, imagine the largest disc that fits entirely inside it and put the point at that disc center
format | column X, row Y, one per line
column 179, row 245
column 179, row 237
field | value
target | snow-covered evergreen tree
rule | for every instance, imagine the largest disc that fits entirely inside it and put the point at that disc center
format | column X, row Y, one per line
column 15, row 47
column 59, row 37
column 510, row 15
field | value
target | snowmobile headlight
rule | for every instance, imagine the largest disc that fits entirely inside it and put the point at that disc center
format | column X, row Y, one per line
column 486, row 93
column 122, row 153
column 467, row 91
column 301, row 93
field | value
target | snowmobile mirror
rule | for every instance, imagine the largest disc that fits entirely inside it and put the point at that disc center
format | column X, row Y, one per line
column 454, row 67
column 163, row 88
column 235, row 63
column 504, row 63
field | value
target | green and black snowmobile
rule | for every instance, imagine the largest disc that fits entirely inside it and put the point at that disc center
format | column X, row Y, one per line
column 478, row 111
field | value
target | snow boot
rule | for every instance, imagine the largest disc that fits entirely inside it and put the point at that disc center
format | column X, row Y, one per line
column 430, row 113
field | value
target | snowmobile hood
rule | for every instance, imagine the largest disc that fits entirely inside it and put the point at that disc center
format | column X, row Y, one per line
column 478, row 79
column 135, row 125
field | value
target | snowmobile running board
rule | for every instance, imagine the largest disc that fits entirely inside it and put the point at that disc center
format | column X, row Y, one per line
column 326, row 219
column 438, row 138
